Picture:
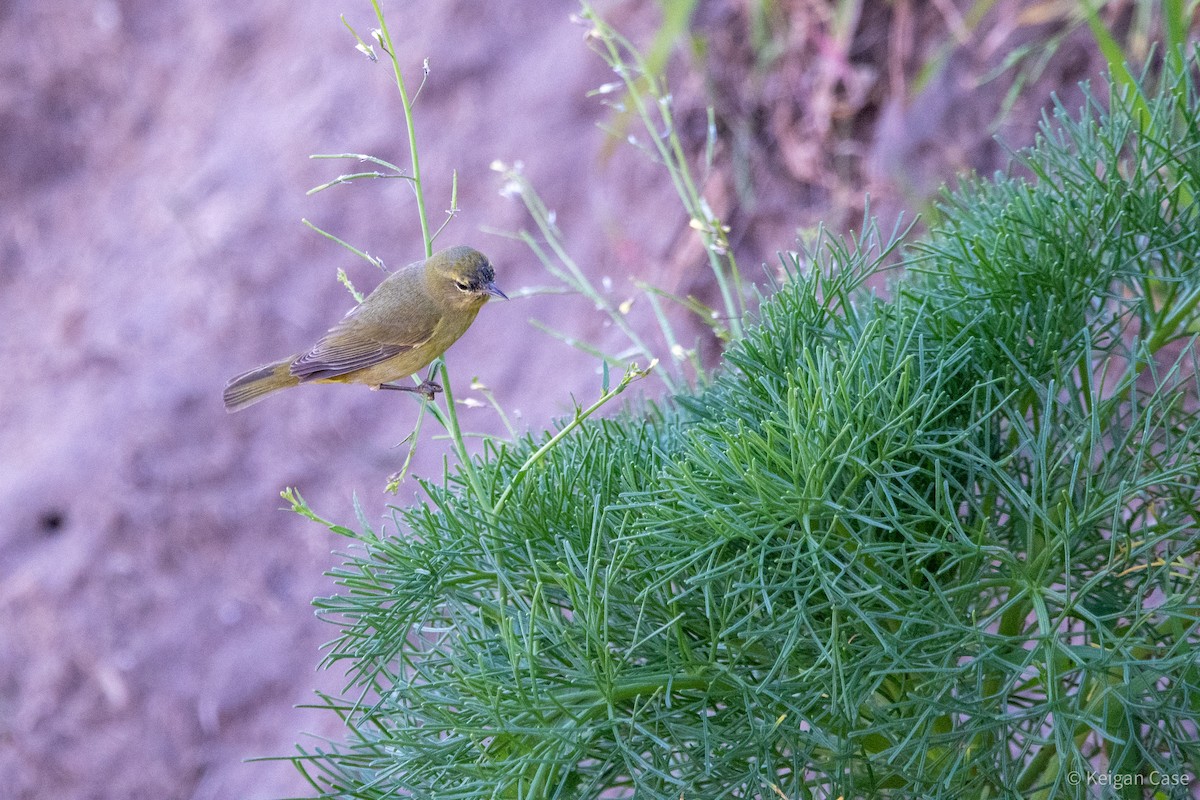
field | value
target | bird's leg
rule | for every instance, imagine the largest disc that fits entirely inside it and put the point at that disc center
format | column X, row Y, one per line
column 427, row 388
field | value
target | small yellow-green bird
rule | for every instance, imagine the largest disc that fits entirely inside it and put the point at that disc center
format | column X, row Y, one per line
column 408, row 321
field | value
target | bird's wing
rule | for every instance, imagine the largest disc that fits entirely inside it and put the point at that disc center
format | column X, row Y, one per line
column 346, row 354
column 363, row 339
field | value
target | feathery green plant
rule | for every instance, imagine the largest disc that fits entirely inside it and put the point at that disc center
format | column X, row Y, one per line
column 938, row 546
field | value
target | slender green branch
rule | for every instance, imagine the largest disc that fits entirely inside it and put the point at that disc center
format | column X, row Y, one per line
column 632, row 374
column 413, row 440
column 656, row 117
column 361, row 157
column 1174, row 318
column 344, row 280
column 559, row 263
column 448, row 417
column 452, row 211
column 297, row 504
column 385, row 39
column 351, row 177
column 370, row 259
column 486, row 391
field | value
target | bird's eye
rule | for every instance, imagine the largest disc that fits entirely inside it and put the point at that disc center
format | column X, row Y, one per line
column 466, row 287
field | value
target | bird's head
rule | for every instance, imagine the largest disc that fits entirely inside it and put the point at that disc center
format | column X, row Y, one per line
column 462, row 276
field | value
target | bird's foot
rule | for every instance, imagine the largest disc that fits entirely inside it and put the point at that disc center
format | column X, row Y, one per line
column 428, row 389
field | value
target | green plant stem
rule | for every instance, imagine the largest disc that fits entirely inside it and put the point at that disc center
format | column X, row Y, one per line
column 579, row 280
column 408, row 122
column 395, row 481
column 396, row 171
column 575, row 280
column 1116, row 59
column 632, row 374
column 671, row 155
column 370, row 259
column 491, row 398
column 449, row 420
column 1168, row 327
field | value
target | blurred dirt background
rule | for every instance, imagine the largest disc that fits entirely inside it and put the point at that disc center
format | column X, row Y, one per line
column 156, row 628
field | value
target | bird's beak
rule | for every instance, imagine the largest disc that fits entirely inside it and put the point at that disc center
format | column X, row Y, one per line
column 491, row 288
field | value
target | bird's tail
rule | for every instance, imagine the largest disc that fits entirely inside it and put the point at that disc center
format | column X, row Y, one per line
column 250, row 387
